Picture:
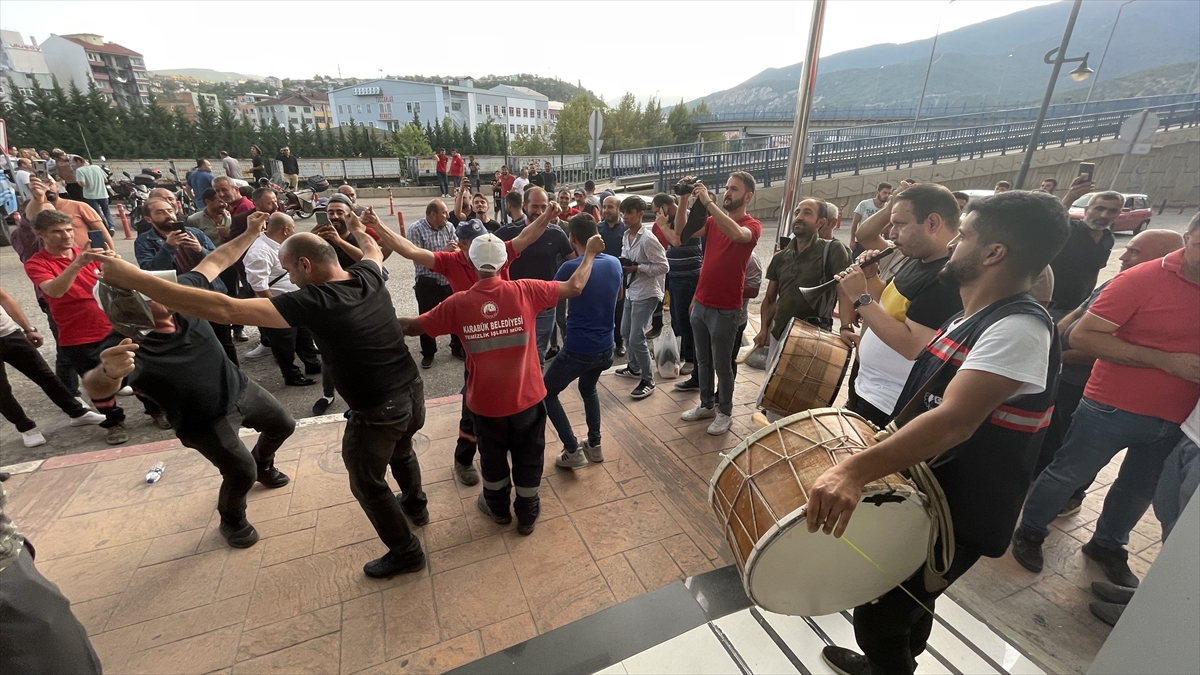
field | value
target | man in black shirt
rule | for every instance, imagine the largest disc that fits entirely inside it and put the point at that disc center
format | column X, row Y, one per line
column 181, row 365
column 549, row 178
column 291, row 167
column 1078, row 265
column 541, row 259
column 468, row 207
column 350, row 313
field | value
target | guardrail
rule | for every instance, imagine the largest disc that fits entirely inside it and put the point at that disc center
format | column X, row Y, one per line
column 882, row 152
column 941, row 111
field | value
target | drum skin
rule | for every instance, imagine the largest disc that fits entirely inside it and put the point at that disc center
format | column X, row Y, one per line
column 807, row 371
column 758, row 490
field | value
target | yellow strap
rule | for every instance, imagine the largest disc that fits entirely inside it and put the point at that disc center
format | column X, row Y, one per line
column 887, row 576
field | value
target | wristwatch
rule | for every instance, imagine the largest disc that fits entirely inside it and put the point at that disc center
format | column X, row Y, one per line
column 864, row 299
column 32, row 329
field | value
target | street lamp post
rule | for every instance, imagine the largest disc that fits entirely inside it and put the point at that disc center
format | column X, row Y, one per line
column 1100, row 67
column 1079, row 74
column 921, row 101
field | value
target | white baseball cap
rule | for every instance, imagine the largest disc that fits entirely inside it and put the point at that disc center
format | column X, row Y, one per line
column 488, row 252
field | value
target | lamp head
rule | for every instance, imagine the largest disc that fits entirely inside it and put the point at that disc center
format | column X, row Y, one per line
column 1082, row 72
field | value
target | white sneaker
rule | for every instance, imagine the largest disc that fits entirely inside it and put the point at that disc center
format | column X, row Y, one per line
column 32, row 438
column 84, row 402
column 698, row 413
column 125, row 391
column 87, row 418
column 720, row 425
column 259, row 350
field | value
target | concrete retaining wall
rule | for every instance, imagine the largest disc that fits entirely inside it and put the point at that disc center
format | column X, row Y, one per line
column 1170, row 172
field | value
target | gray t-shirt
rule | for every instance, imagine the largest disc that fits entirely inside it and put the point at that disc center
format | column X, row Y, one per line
column 232, row 168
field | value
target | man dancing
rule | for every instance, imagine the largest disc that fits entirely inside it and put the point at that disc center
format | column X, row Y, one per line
column 181, row 365
column 350, row 313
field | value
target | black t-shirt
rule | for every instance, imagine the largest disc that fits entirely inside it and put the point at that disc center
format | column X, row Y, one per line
column 921, row 295
column 258, row 166
column 355, row 326
column 538, row 180
column 1078, row 264
column 540, row 260
column 187, row 372
column 290, row 165
column 491, row 225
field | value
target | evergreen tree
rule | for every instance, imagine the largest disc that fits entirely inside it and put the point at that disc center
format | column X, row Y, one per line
column 679, row 124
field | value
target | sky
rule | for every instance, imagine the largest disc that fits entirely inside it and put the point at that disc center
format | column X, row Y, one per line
column 665, row 56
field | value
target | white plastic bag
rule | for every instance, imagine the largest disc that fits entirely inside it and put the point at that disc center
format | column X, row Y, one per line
column 666, row 354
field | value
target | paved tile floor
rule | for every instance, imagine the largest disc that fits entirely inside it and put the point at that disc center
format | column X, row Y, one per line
column 160, row 592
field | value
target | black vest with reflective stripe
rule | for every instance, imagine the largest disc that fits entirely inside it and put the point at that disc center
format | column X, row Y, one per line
column 985, row 478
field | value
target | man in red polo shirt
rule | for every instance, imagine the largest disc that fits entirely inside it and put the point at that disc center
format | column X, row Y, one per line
column 1146, row 380
column 442, row 160
column 730, row 238
column 456, row 167
column 234, row 201
column 66, row 275
column 460, row 272
column 495, row 320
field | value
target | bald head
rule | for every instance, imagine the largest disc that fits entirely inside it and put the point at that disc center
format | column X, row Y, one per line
column 279, row 223
column 1150, row 245
column 307, row 245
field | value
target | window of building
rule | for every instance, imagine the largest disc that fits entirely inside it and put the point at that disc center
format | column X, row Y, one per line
column 478, row 108
column 94, row 57
column 340, row 111
column 417, row 107
column 358, row 106
column 409, row 105
column 368, row 108
column 456, row 106
column 512, row 129
column 510, row 111
column 488, row 108
column 307, row 109
column 291, row 108
column 447, row 109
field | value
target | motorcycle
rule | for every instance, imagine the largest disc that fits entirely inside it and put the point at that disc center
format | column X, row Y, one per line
column 134, row 191
column 303, row 203
column 181, row 194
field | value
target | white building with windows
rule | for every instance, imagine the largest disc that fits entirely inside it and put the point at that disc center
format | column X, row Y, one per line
column 390, row 104
column 83, row 58
column 24, row 64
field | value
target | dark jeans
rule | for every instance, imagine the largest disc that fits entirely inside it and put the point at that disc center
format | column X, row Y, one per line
column 326, row 378
column 101, row 206
column 62, row 364
column 464, row 451
column 225, row 337
column 374, row 440
column 868, row 412
column 560, row 324
column 893, row 630
column 682, row 286
column 564, row 369
column 287, row 344
column 443, row 182
column 617, row 317
column 85, row 357
column 239, row 467
column 39, row 632
column 737, row 346
column 523, row 435
column 17, row 351
column 1065, row 404
column 430, row 294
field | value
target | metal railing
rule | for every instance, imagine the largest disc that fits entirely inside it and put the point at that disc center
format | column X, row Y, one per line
column 855, row 156
column 935, row 111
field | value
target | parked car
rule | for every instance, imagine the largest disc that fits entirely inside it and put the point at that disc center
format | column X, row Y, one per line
column 1135, row 216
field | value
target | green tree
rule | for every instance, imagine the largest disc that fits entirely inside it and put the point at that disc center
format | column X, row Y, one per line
column 679, row 125
column 535, row 142
column 573, row 124
column 409, row 141
column 700, row 110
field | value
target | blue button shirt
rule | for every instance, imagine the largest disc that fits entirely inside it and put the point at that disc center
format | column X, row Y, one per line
column 199, row 181
column 590, row 316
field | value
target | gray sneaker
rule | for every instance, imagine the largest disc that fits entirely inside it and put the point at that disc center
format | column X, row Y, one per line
column 592, row 452
column 720, row 424
column 698, row 413
column 116, row 435
column 571, row 460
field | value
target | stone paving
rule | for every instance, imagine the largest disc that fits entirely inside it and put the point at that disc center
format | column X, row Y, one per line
column 160, row 592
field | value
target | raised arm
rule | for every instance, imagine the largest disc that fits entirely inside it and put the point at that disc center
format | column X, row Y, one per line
column 462, row 198
column 574, row 286
column 358, row 231
column 59, row 285
column 222, row 257
column 393, row 241
column 869, row 234
column 116, row 362
column 209, row 305
column 729, row 226
column 533, row 231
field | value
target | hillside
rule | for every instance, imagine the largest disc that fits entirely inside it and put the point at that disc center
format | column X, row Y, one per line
column 207, row 74
column 993, row 62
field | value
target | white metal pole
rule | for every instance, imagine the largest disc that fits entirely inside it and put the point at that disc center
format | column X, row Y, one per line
column 804, row 99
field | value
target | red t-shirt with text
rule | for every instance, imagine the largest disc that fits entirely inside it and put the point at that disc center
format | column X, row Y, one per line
column 506, row 183
column 460, row 271
column 79, row 317
column 496, row 319
column 441, row 162
column 1155, row 306
column 723, row 272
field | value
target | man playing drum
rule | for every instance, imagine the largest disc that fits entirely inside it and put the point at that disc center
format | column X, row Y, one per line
column 979, row 398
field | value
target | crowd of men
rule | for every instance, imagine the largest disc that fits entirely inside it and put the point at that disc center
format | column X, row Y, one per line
column 959, row 338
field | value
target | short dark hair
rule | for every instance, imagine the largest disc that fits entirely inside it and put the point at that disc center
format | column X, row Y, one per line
column 259, row 192
column 1193, row 224
column 1003, row 183
column 513, row 198
column 1051, row 180
column 589, row 185
column 223, row 153
column 529, row 192
column 200, row 162
column 930, row 198
column 47, row 219
column 883, row 186
column 633, row 203
column 1033, row 226
column 246, row 191
column 430, row 208
column 663, row 199
column 209, row 194
column 582, row 226
column 746, row 179
column 961, row 195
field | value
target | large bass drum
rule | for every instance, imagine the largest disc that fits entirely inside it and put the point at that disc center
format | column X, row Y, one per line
column 758, row 490
column 806, row 371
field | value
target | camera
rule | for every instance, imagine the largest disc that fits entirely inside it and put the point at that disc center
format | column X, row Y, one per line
column 684, row 187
